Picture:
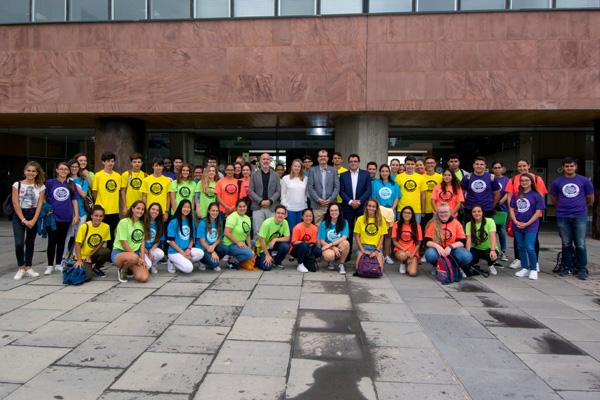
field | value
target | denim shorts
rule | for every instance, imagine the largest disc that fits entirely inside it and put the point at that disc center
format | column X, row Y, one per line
column 369, row 247
column 116, row 252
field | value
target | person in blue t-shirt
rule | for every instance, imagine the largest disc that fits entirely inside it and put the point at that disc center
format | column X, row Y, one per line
column 180, row 236
column 333, row 236
column 154, row 227
column 209, row 237
column 572, row 194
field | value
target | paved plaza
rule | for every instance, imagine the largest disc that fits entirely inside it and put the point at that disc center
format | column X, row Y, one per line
column 284, row 335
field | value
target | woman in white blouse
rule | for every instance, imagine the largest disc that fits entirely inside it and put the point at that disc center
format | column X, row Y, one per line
column 293, row 193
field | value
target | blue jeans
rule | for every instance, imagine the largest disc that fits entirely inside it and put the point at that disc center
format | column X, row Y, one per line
column 501, row 231
column 526, row 245
column 572, row 234
column 301, row 250
column 293, row 218
column 207, row 260
column 240, row 253
column 462, row 255
column 281, row 248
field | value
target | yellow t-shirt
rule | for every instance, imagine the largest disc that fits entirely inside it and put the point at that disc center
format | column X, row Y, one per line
column 411, row 187
column 107, row 188
column 341, row 170
column 156, row 190
column 431, row 181
column 94, row 237
column 369, row 232
column 132, row 183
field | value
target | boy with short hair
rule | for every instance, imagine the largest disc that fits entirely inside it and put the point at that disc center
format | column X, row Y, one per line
column 155, row 188
column 131, row 183
column 273, row 236
column 105, row 189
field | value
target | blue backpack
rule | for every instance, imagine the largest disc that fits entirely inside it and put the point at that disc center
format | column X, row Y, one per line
column 447, row 270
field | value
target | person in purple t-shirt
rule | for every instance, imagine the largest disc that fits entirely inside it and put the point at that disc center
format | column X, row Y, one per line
column 501, row 207
column 62, row 196
column 571, row 194
column 481, row 189
column 525, row 210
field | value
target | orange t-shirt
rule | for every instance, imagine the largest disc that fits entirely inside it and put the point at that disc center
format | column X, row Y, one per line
column 538, row 182
column 304, row 234
column 448, row 196
column 452, row 232
column 227, row 190
column 245, row 188
column 406, row 239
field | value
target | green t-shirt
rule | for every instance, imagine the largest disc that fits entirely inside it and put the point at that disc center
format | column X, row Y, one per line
column 183, row 190
column 132, row 233
column 205, row 199
column 240, row 227
column 490, row 226
column 271, row 230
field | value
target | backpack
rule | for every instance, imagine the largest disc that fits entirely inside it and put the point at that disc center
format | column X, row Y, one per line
column 368, row 267
column 447, row 270
column 7, row 205
column 310, row 262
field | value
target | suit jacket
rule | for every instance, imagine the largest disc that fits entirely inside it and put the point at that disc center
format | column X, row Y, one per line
column 256, row 189
column 363, row 190
column 315, row 185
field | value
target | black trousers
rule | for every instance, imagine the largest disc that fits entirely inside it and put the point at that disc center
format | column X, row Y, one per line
column 24, row 238
column 112, row 220
column 56, row 242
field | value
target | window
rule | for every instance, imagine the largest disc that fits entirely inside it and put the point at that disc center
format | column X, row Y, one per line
column 254, row 8
column 297, row 7
column 482, row 5
column 381, row 6
column 89, row 10
column 212, row 8
column 170, row 9
column 523, row 4
column 577, row 3
column 14, row 11
column 49, row 10
column 435, row 5
column 129, row 10
column 341, row 7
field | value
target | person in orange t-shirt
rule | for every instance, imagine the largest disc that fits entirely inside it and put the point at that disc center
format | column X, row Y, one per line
column 449, row 192
column 227, row 191
column 304, row 240
column 406, row 237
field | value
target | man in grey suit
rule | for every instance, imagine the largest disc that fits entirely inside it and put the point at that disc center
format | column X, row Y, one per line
column 264, row 192
column 323, row 186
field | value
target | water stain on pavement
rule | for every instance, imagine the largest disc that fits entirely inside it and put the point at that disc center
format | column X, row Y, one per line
column 328, row 321
column 597, row 300
column 489, row 303
column 470, row 287
column 514, row 320
column 552, row 344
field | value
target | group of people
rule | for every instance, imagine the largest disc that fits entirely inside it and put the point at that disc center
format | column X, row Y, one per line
column 189, row 216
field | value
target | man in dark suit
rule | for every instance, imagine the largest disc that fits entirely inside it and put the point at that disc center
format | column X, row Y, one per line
column 355, row 189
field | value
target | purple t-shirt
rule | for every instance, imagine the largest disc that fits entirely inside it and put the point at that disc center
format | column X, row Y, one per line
column 502, row 181
column 59, row 197
column 479, row 190
column 570, row 194
column 526, row 207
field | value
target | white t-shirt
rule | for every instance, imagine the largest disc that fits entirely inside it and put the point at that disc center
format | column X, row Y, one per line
column 29, row 194
column 293, row 193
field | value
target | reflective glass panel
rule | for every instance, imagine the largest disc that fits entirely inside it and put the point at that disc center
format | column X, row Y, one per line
column 170, row 9
column 482, row 5
column 130, row 10
column 212, row 8
column 89, row 10
column 577, row 3
column 435, row 5
column 519, row 4
column 297, row 7
column 14, row 11
column 49, row 10
column 254, row 8
column 341, row 7
column 377, row 6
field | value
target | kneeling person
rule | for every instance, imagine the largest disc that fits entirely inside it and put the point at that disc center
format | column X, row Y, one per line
column 481, row 238
column 407, row 237
column 129, row 251
column 89, row 243
column 209, row 236
column 276, row 231
column 180, row 235
column 370, row 229
column 304, row 240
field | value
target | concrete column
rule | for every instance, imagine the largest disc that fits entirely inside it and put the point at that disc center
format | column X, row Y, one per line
column 596, row 213
column 121, row 136
column 365, row 135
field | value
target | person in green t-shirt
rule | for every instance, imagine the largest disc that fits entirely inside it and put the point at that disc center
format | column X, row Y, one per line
column 481, row 239
column 205, row 191
column 237, row 235
column 273, row 237
column 129, row 251
column 182, row 188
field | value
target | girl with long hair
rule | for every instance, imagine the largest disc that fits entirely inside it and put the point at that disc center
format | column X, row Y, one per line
column 180, row 235
column 448, row 192
column 227, row 191
column 183, row 187
column 333, row 236
column 205, row 190
column 154, row 234
column 304, row 240
column 369, row 230
column 129, row 252
column 81, row 186
column 209, row 238
column 293, row 193
column 481, row 238
column 237, row 234
column 407, row 237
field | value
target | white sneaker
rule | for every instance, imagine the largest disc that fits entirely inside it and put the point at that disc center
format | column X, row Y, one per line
column 19, row 275
column 170, row 267
column 58, row 268
column 402, row 269
column 301, row 268
column 388, row 260
column 493, row 270
column 503, row 257
column 154, row 270
column 331, row 266
column 515, row 264
column 49, row 270
column 533, row 275
column 201, row 267
column 217, row 269
column 522, row 273
column 537, row 267
column 342, row 269
column 31, row 273
column 423, row 260
column 463, row 274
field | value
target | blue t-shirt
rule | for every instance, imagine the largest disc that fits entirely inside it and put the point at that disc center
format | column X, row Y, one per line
column 85, row 186
column 502, row 182
column 385, row 192
column 59, row 197
column 531, row 202
column 150, row 242
column 209, row 235
column 571, row 195
column 479, row 190
column 328, row 233
column 182, row 236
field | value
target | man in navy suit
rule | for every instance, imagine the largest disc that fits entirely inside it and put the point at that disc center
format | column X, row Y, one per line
column 355, row 190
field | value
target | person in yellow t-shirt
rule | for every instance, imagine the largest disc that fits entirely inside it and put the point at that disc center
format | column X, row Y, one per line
column 155, row 187
column 337, row 161
column 432, row 179
column 105, row 189
column 411, row 186
column 89, row 242
column 131, row 183
column 369, row 231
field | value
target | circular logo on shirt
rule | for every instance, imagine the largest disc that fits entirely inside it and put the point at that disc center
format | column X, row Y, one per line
column 275, row 235
column 111, row 185
column 478, row 186
column 501, row 185
column 245, row 227
column 447, row 234
column 446, row 195
column 332, row 235
column 136, row 183
column 156, row 188
column 430, row 185
column 485, row 236
column 523, row 205
column 371, row 229
column 137, row 236
column 61, row 193
column 410, row 185
column 152, row 233
column 406, row 236
column 307, row 237
column 231, row 188
column 570, row 190
column 185, row 232
column 94, row 240
column 385, row 193
column 212, row 235
column 185, row 191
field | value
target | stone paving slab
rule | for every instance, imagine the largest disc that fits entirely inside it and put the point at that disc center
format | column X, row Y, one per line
column 591, row 348
column 222, row 298
column 7, row 305
column 583, row 371
column 124, row 295
column 441, row 326
column 377, row 312
column 61, row 334
column 94, row 286
column 271, row 308
column 487, row 300
column 262, row 329
column 275, row 292
column 324, row 276
column 327, row 345
column 436, row 306
column 7, row 388
column 331, row 287
column 7, row 337
column 581, row 303
column 60, row 301
column 411, row 366
column 579, row 395
column 29, row 292
column 234, row 284
column 241, row 274
column 361, row 294
column 154, row 282
column 117, row 395
column 421, row 391
column 139, row 324
column 325, row 301
column 280, row 278
column 27, row 319
column 219, row 387
column 395, row 334
column 209, row 315
column 107, row 351
column 190, row 339
column 188, row 289
column 538, row 341
column 326, row 320
column 54, row 279
column 240, row 357
column 14, row 369
column 96, row 312
column 574, row 329
column 162, row 305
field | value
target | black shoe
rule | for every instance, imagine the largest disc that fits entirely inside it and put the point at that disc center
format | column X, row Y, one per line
column 98, row 272
column 566, row 272
column 582, row 276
